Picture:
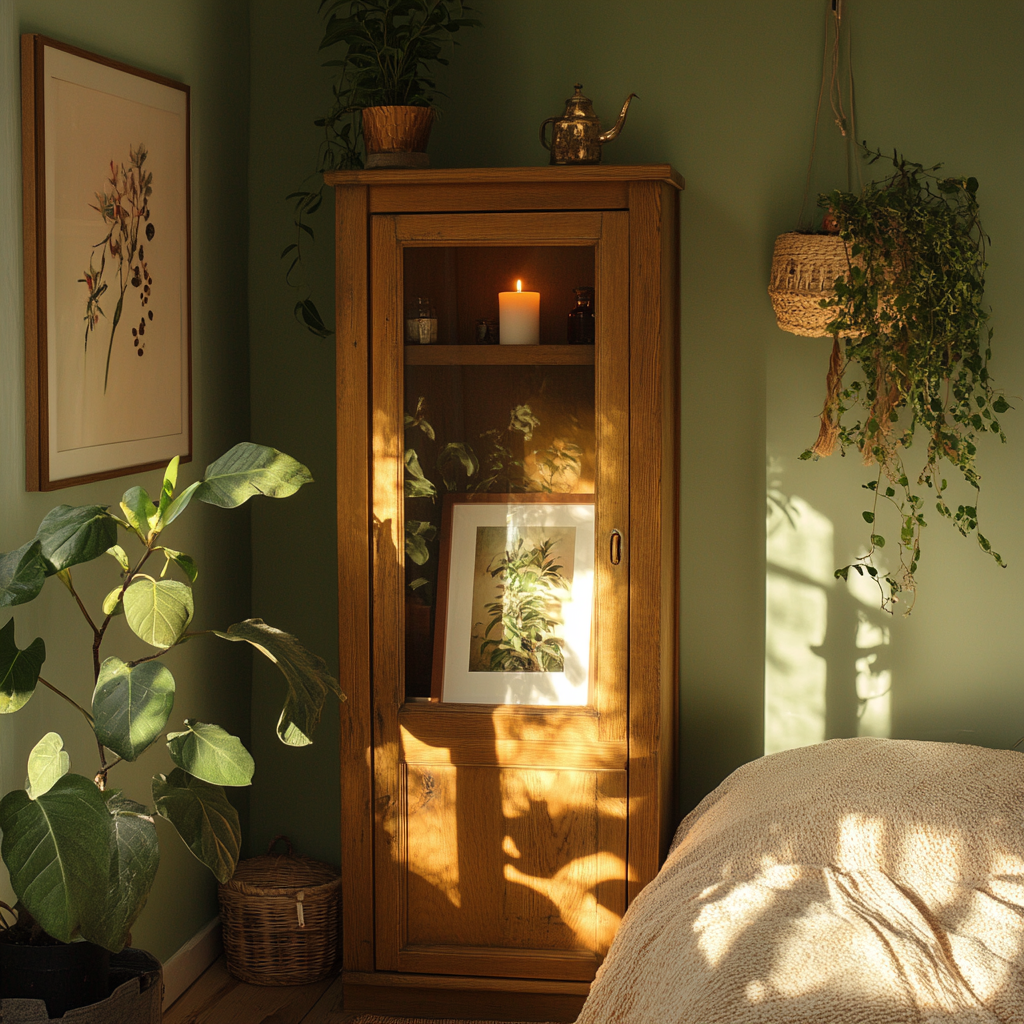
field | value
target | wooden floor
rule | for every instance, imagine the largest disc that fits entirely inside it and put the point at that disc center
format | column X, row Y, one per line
column 217, row 998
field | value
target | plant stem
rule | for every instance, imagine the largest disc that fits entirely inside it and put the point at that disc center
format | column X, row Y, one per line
column 73, row 703
column 101, row 775
column 127, row 582
column 151, row 657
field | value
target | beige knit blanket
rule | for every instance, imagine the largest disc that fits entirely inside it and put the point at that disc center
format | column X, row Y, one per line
column 859, row 881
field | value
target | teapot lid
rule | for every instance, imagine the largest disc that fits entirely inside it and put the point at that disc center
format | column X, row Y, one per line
column 578, row 105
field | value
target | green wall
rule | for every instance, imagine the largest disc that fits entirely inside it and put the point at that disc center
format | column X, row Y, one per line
column 206, row 45
column 727, row 96
column 294, row 569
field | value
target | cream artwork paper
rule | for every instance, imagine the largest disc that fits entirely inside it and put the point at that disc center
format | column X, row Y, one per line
column 117, row 377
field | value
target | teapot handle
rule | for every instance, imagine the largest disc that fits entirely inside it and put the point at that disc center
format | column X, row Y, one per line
column 544, row 124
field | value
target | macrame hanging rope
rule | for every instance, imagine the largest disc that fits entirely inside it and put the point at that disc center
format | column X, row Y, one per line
column 830, row 73
column 828, row 433
column 842, row 113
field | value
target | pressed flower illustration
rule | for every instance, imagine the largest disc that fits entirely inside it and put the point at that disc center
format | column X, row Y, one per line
column 125, row 212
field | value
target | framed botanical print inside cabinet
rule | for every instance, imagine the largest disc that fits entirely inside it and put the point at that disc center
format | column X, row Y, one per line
column 507, row 757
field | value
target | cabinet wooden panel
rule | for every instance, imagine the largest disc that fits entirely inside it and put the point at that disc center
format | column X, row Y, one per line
column 513, row 857
column 500, row 843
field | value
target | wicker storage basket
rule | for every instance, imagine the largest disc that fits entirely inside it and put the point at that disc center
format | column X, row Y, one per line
column 804, row 269
column 280, row 915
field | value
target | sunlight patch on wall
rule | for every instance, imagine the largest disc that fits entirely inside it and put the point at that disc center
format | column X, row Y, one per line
column 799, row 570
column 874, row 684
column 827, row 644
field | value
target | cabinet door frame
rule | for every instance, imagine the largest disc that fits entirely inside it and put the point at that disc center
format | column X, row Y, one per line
column 589, row 739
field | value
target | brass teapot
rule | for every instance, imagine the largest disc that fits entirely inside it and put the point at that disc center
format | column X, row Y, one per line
column 576, row 136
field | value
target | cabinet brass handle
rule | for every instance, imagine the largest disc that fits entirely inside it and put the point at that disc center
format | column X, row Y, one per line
column 616, row 547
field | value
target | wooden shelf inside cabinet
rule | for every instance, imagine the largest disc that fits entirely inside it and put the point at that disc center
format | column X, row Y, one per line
column 499, row 355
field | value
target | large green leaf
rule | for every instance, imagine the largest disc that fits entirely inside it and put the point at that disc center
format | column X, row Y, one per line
column 309, row 682
column 119, row 554
column 250, row 469
column 112, row 602
column 48, row 761
column 211, row 753
column 70, row 535
column 186, row 563
column 139, row 510
column 134, row 857
column 179, row 504
column 417, row 533
column 131, row 705
column 19, row 670
column 158, row 610
column 416, row 484
column 170, row 482
column 22, row 574
column 203, row 817
column 57, row 849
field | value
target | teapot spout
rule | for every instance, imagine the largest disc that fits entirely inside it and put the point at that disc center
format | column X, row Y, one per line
column 617, row 127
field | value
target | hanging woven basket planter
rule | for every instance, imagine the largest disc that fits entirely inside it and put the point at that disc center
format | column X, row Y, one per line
column 804, row 271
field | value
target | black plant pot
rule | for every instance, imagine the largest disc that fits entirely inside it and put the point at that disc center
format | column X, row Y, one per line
column 64, row 976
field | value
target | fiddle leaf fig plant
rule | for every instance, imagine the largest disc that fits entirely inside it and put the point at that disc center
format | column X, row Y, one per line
column 913, row 368
column 82, row 856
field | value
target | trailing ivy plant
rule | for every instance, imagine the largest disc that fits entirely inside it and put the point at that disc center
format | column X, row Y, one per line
column 82, row 856
column 913, row 368
column 392, row 48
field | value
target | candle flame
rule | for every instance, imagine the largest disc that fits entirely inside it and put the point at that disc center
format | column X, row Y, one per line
column 519, row 286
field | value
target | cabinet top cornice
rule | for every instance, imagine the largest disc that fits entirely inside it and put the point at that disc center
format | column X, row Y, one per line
column 505, row 175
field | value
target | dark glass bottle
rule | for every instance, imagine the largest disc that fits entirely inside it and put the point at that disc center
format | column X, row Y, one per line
column 581, row 319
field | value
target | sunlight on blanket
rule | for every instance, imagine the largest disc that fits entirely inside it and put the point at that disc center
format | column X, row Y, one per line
column 721, row 922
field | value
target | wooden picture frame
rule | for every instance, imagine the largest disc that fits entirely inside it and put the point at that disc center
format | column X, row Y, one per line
column 106, row 170
column 472, row 660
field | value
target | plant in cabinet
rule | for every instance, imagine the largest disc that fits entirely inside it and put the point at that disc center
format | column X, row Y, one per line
column 499, row 469
column 915, row 363
column 81, row 855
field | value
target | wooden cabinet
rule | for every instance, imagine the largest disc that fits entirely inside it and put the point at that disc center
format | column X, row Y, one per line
column 506, row 774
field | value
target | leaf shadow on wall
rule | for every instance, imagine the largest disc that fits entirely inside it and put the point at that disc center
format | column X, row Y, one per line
column 828, row 659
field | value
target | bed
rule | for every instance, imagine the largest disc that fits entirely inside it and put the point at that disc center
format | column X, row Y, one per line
column 861, row 881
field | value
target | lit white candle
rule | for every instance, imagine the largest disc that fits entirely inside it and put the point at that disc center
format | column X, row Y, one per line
column 519, row 317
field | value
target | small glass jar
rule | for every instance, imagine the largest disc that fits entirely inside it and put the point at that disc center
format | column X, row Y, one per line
column 420, row 322
column 487, row 332
column 581, row 319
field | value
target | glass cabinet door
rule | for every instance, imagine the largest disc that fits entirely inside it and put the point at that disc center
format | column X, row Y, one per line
column 499, row 454
column 500, row 589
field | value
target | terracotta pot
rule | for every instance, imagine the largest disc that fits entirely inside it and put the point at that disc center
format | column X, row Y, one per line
column 397, row 136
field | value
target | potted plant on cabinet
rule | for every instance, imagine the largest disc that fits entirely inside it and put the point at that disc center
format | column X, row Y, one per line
column 384, row 96
column 386, row 75
column 82, row 856
column 915, row 362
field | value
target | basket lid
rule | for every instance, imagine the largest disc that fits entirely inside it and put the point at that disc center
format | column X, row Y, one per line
column 282, row 871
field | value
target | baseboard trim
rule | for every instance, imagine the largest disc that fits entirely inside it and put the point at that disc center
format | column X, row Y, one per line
column 185, row 966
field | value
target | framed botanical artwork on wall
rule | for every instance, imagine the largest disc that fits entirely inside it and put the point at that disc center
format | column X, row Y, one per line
column 515, row 599
column 106, row 173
